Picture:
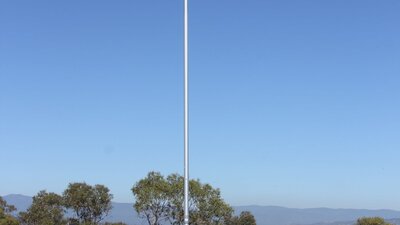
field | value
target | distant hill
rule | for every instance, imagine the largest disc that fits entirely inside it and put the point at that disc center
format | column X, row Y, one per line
column 22, row 202
column 265, row 215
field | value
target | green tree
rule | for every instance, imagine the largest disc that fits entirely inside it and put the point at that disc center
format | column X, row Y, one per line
column 245, row 218
column 91, row 204
column 8, row 220
column 46, row 209
column 151, row 195
column 372, row 221
column 206, row 205
column 160, row 199
column 5, row 213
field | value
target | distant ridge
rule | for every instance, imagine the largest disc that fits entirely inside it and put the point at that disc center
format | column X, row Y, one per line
column 22, row 202
column 265, row 215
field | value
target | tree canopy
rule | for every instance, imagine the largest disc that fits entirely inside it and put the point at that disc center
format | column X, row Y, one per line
column 46, row 209
column 372, row 221
column 89, row 203
column 159, row 200
column 152, row 198
column 245, row 218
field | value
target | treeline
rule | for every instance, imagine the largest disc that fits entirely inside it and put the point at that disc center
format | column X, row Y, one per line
column 89, row 205
column 158, row 201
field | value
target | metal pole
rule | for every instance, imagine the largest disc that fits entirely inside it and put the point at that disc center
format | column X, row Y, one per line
column 186, row 121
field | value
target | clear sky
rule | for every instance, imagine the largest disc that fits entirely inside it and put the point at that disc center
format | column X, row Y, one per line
column 292, row 103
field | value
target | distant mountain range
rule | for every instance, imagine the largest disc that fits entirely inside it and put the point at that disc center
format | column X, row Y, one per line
column 265, row 215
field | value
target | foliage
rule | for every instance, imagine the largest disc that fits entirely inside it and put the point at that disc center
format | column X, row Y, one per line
column 159, row 199
column 5, row 208
column 8, row 220
column 245, row 218
column 46, row 209
column 151, row 195
column 206, row 205
column 372, row 221
column 89, row 203
column 5, row 213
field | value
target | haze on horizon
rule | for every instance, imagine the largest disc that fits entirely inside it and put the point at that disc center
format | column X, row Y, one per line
column 292, row 103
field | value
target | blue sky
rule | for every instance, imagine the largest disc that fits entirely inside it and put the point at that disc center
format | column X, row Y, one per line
column 292, row 103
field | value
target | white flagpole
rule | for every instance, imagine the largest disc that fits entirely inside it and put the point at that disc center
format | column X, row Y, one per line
column 186, row 121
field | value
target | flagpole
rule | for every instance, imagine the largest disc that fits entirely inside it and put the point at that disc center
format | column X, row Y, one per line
column 186, row 115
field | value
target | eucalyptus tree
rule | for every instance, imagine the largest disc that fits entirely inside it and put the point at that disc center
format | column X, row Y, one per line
column 159, row 200
column 90, row 204
column 46, row 209
column 245, row 218
column 152, row 198
column 206, row 205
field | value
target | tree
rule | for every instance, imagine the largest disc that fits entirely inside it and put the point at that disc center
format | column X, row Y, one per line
column 8, row 220
column 91, row 204
column 151, row 195
column 160, row 199
column 46, row 209
column 372, row 221
column 5, row 213
column 206, row 205
column 245, row 218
